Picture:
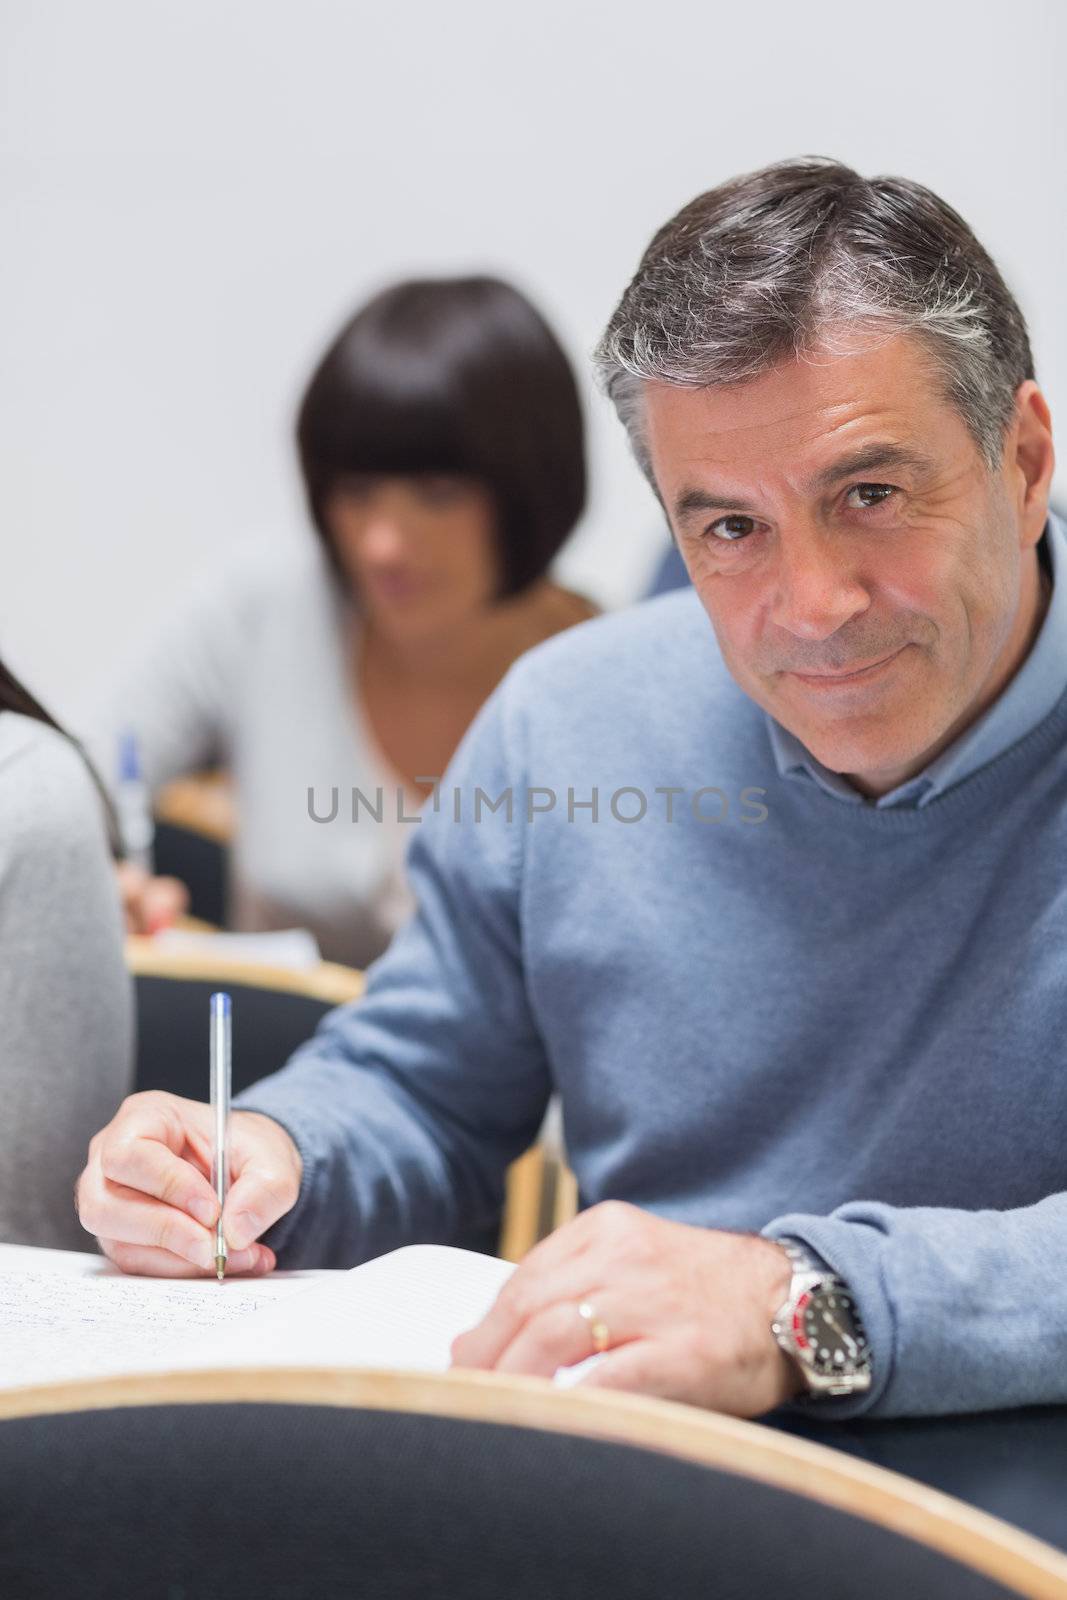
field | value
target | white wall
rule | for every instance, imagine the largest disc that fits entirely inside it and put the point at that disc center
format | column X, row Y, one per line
column 194, row 194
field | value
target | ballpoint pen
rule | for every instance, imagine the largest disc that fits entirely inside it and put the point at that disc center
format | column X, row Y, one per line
column 220, row 1115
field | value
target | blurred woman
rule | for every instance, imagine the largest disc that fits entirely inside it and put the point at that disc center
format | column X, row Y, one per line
column 66, row 1034
column 441, row 445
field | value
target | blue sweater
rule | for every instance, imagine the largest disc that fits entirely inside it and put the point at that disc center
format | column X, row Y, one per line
column 775, row 1011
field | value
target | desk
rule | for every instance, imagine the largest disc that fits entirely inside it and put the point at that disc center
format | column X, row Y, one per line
column 1012, row 1464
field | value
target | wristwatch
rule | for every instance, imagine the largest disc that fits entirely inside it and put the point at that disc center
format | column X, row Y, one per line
column 819, row 1328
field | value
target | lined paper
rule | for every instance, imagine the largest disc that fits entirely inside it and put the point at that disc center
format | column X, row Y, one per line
column 85, row 1322
column 402, row 1310
column 64, row 1316
column 77, row 1317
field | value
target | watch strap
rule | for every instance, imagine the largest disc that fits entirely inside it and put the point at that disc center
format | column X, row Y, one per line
column 811, row 1273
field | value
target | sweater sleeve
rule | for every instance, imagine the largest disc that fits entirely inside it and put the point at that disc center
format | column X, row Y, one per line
column 408, row 1105
column 965, row 1310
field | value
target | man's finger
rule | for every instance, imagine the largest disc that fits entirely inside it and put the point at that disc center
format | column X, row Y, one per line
column 259, row 1196
column 528, row 1294
column 608, row 1245
column 644, row 1366
column 145, row 1262
column 142, row 1151
column 562, row 1266
column 112, row 1211
column 561, row 1336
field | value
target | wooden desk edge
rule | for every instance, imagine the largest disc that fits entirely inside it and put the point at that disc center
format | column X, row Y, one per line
column 202, row 803
column 971, row 1537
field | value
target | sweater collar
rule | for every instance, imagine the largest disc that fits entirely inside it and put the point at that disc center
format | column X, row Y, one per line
column 1025, row 701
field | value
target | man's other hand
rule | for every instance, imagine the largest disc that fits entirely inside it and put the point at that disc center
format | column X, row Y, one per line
column 685, row 1312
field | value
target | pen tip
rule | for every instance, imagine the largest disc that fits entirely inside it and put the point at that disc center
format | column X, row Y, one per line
column 220, row 1267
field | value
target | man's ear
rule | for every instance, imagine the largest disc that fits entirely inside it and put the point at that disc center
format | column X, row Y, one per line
column 1030, row 461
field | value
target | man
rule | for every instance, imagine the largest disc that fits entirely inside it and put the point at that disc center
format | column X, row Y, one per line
column 780, row 908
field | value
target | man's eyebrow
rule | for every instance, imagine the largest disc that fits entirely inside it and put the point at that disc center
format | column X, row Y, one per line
column 690, row 500
column 872, row 458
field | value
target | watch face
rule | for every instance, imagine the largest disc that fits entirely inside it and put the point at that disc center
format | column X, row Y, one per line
column 828, row 1331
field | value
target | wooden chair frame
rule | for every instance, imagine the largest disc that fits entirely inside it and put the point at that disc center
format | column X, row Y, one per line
column 966, row 1535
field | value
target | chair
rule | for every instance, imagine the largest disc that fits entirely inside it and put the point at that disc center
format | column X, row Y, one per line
column 194, row 825
column 200, row 863
column 542, row 1194
column 384, row 1486
column 275, row 1010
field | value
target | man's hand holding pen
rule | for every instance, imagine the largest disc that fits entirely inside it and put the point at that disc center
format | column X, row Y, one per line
column 146, row 1192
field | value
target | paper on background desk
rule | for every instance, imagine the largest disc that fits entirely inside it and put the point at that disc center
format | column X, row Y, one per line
column 288, row 947
column 65, row 1316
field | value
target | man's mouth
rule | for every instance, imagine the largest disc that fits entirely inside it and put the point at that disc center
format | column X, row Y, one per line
column 842, row 677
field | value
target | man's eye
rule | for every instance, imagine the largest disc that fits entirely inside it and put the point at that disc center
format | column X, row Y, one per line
column 729, row 529
column 864, row 496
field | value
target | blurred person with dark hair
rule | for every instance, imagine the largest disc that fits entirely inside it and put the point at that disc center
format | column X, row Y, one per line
column 66, row 1023
column 441, row 444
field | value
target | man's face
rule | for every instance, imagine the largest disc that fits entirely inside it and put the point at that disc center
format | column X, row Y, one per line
column 865, row 572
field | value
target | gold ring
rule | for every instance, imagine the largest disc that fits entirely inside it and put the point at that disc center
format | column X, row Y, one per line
column 598, row 1328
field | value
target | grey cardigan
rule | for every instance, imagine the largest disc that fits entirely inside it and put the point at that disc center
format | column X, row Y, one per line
column 66, row 1014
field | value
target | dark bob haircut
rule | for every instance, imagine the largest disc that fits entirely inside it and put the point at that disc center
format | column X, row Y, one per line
column 453, row 376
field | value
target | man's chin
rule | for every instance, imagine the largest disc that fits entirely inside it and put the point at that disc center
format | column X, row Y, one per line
column 871, row 766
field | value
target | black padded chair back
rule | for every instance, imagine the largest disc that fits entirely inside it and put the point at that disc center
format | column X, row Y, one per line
column 172, row 1031
column 304, row 1502
column 200, row 862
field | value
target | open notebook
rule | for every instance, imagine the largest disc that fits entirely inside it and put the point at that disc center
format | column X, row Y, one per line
column 64, row 1315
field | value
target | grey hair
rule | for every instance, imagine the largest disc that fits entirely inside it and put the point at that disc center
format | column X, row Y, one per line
column 781, row 262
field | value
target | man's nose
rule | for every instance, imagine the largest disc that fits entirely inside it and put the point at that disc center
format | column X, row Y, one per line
column 816, row 591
